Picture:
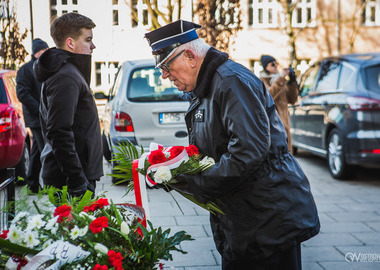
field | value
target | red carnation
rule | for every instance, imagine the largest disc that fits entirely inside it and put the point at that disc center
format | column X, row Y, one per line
column 100, row 267
column 97, row 225
column 4, row 234
column 175, row 151
column 115, row 259
column 156, row 157
column 192, row 150
column 99, row 204
column 62, row 211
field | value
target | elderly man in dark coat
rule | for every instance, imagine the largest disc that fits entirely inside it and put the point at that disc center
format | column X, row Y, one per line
column 268, row 206
column 29, row 92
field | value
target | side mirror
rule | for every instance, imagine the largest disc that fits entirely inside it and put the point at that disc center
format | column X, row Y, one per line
column 100, row 95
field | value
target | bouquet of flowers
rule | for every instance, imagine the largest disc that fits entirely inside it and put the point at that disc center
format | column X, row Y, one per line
column 87, row 234
column 162, row 165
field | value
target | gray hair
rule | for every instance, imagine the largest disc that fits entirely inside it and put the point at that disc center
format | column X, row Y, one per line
column 199, row 47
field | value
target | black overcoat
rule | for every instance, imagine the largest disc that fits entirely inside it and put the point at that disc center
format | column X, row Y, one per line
column 256, row 181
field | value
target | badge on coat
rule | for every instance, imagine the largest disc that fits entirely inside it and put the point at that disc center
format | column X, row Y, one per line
column 199, row 116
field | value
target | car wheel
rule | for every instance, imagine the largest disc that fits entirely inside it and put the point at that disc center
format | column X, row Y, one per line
column 23, row 165
column 106, row 151
column 335, row 156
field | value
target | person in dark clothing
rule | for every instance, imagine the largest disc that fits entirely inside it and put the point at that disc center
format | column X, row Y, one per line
column 264, row 194
column 29, row 92
column 72, row 155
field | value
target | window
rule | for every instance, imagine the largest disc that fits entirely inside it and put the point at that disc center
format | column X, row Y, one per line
column 147, row 85
column 308, row 80
column 371, row 13
column 105, row 73
column 115, row 12
column 60, row 7
column 263, row 13
column 328, row 76
column 139, row 13
column 372, row 75
column 345, row 74
column 304, row 14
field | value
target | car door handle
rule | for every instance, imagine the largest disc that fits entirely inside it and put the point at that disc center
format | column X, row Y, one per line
column 324, row 105
column 181, row 134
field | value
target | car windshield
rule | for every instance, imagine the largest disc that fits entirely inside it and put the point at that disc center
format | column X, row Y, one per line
column 372, row 75
column 147, row 85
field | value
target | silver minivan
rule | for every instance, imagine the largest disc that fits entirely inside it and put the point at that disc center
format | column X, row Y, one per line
column 142, row 108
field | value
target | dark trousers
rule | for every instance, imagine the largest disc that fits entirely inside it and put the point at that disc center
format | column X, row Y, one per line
column 285, row 260
column 32, row 178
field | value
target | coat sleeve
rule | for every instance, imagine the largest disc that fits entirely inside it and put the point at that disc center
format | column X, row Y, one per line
column 246, row 124
column 292, row 92
column 24, row 89
column 62, row 96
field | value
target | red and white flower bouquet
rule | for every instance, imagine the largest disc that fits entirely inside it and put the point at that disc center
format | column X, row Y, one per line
column 93, row 234
column 161, row 166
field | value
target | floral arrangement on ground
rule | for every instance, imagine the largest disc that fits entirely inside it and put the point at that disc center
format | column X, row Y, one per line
column 86, row 233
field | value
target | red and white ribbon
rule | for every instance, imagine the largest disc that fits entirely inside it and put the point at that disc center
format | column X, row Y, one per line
column 140, row 180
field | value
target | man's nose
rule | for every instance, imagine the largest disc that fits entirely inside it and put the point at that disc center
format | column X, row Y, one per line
column 93, row 46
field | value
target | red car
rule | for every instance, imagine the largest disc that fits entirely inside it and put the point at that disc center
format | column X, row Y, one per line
column 14, row 138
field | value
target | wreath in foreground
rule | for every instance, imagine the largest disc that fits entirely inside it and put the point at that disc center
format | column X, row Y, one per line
column 84, row 234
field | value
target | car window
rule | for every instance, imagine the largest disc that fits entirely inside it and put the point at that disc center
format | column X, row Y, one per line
column 147, row 85
column 328, row 76
column 345, row 74
column 308, row 80
column 372, row 75
column 3, row 95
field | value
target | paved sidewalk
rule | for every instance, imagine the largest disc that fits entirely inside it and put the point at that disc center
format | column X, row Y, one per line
column 349, row 212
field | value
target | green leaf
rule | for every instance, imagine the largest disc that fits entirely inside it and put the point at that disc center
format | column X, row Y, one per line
column 15, row 248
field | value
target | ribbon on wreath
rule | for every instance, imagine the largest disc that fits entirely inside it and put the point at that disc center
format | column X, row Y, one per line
column 140, row 181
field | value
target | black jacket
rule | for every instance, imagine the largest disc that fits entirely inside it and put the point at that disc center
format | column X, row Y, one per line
column 29, row 92
column 256, row 181
column 69, row 120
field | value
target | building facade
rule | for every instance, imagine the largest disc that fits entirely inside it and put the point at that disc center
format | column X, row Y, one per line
column 323, row 27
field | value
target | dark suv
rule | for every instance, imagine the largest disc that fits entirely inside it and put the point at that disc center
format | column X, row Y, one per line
column 337, row 115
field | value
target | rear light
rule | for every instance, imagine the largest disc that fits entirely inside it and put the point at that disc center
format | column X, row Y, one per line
column 123, row 122
column 6, row 120
column 363, row 104
column 370, row 151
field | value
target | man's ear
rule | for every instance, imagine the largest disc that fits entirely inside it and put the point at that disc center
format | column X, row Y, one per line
column 70, row 43
column 192, row 57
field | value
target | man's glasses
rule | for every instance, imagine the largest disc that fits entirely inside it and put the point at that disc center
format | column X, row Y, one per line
column 165, row 67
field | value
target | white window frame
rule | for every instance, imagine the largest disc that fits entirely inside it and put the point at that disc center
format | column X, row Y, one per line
column 69, row 7
column 265, row 6
column 367, row 20
column 141, row 7
column 304, row 5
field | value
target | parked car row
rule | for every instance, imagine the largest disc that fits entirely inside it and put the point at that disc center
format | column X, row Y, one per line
column 337, row 115
column 14, row 137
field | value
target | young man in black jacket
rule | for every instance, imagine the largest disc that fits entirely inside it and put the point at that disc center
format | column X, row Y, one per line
column 264, row 194
column 72, row 155
column 29, row 93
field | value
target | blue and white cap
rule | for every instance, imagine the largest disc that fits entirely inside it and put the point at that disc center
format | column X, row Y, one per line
column 166, row 39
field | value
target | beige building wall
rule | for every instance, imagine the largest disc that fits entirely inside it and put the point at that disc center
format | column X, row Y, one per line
column 118, row 43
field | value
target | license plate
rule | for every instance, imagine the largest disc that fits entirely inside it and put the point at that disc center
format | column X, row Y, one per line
column 172, row 118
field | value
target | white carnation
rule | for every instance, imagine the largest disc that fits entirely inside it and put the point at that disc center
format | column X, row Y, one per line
column 31, row 239
column 15, row 235
column 208, row 161
column 36, row 222
column 162, row 174
column 101, row 248
column 124, row 228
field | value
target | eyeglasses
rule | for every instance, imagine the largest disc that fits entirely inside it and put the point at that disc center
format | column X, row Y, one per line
column 165, row 67
column 273, row 64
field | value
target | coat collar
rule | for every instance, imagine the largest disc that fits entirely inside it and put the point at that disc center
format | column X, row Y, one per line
column 211, row 62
